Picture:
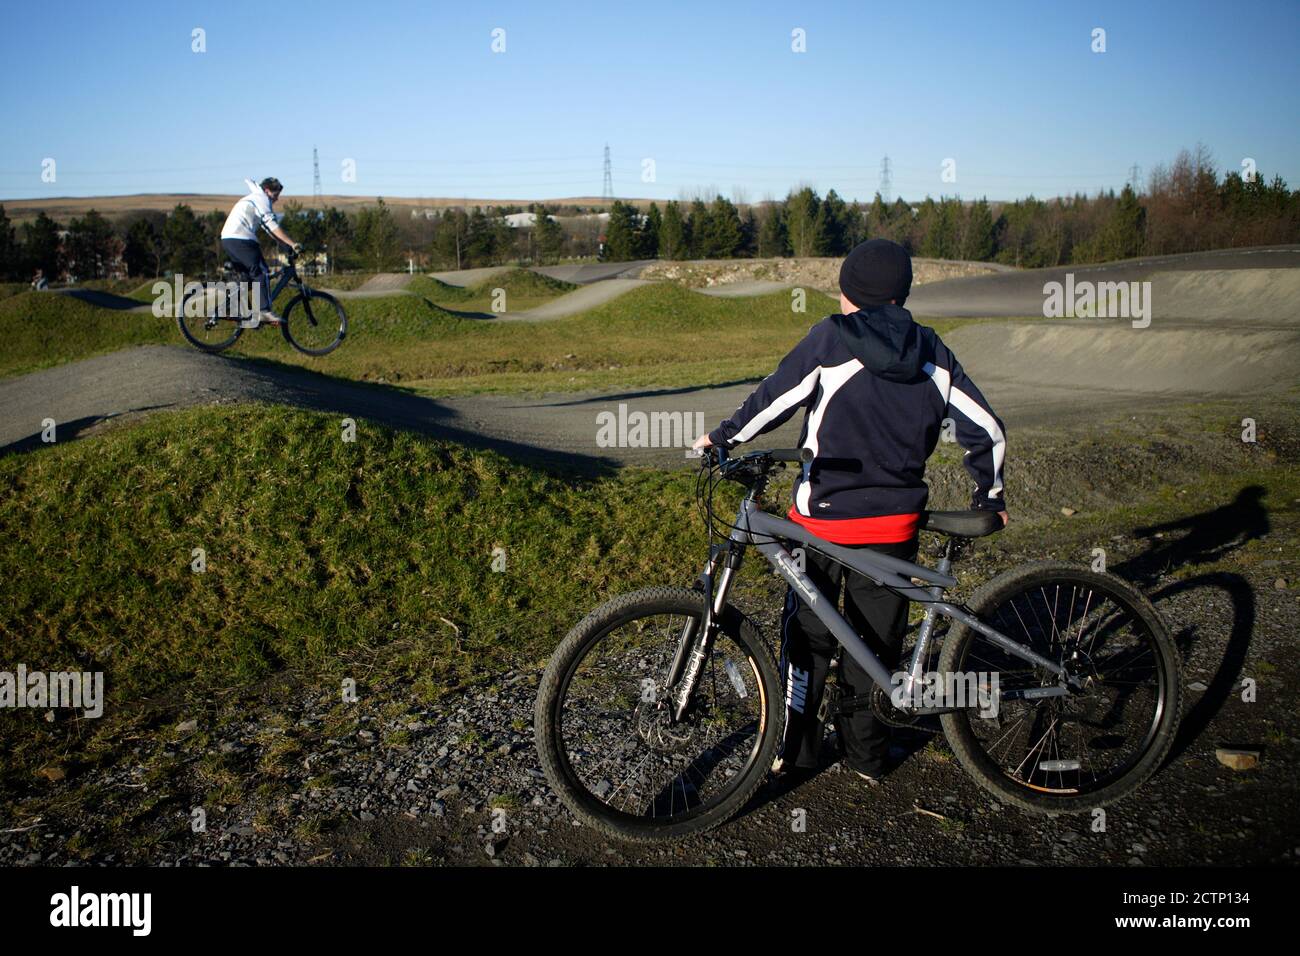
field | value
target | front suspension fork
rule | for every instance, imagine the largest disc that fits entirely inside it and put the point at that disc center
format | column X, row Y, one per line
column 697, row 642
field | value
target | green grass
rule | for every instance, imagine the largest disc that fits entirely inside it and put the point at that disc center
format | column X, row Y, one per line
column 39, row 330
column 318, row 552
column 342, row 281
column 658, row 335
column 143, row 291
column 115, row 286
column 522, row 289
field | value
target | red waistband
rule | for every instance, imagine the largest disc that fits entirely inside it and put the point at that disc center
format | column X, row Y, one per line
column 881, row 529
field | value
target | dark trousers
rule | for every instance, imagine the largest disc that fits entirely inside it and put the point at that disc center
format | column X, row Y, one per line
column 807, row 647
column 248, row 254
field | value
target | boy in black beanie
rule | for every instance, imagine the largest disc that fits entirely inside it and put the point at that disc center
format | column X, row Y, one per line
column 876, row 389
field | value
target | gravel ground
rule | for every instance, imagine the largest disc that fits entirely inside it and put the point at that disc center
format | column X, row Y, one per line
column 286, row 773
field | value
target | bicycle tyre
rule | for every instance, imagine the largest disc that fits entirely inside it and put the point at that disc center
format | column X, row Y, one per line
column 958, row 726
column 210, row 313
column 569, row 655
column 307, row 301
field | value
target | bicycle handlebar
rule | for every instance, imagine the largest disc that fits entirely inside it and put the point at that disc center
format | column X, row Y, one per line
column 761, row 461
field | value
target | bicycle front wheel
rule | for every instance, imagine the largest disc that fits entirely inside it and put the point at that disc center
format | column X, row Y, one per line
column 1052, row 754
column 605, row 737
column 314, row 322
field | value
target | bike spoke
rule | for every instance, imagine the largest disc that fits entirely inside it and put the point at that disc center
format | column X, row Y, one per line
column 1091, row 737
column 649, row 766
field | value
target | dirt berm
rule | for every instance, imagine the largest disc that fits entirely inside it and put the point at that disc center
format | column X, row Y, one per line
column 1104, row 355
column 1262, row 296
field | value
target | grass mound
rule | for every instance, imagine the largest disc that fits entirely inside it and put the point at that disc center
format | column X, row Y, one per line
column 523, row 288
column 523, row 283
column 318, row 551
column 658, row 335
column 651, row 335
column 40, row 329
column 341, row 281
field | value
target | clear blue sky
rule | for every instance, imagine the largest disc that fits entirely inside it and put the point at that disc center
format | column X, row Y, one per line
column 711, row 92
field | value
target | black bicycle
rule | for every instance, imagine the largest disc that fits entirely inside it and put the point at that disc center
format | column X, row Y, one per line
column 1058, row 688
column 213, row 315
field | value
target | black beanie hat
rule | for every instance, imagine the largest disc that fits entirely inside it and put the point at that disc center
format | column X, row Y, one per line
column 875, row 272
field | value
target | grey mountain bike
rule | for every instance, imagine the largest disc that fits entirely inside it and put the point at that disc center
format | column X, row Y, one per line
column 659, row 713
column 313, row 322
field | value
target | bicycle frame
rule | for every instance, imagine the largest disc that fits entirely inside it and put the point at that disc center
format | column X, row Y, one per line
column 756, row 528
column 283, row 277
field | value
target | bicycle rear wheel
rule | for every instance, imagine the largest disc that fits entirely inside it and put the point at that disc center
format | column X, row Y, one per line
column 603, row 732
column 314, row 322
column 1086, row 749
column 209, row 318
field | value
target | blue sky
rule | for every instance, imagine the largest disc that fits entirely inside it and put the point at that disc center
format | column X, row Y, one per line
column 712, row 93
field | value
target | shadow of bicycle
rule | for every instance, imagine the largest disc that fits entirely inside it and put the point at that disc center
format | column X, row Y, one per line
column 1205, row 538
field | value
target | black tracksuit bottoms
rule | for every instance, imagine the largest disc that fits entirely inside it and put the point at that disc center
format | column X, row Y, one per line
column 807, row 648
column 248, row 254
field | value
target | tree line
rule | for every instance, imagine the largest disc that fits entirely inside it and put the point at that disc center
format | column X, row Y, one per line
column 1184, row 207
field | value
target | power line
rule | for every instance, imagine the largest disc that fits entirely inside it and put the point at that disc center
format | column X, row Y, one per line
column 884, row 180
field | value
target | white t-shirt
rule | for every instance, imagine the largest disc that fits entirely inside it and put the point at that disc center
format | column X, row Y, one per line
column 250, row 212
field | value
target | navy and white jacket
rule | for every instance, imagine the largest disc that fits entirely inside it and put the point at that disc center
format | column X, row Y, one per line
column 876, row 388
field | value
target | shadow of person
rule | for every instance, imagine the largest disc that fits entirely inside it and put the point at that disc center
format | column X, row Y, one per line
column 1208, row 537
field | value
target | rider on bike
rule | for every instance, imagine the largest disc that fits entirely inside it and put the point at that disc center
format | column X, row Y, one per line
column 877, row 388
column 239, row 237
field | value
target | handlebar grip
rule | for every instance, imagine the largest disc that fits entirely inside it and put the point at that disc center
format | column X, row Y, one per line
column 798, row 455
column 715, row 454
